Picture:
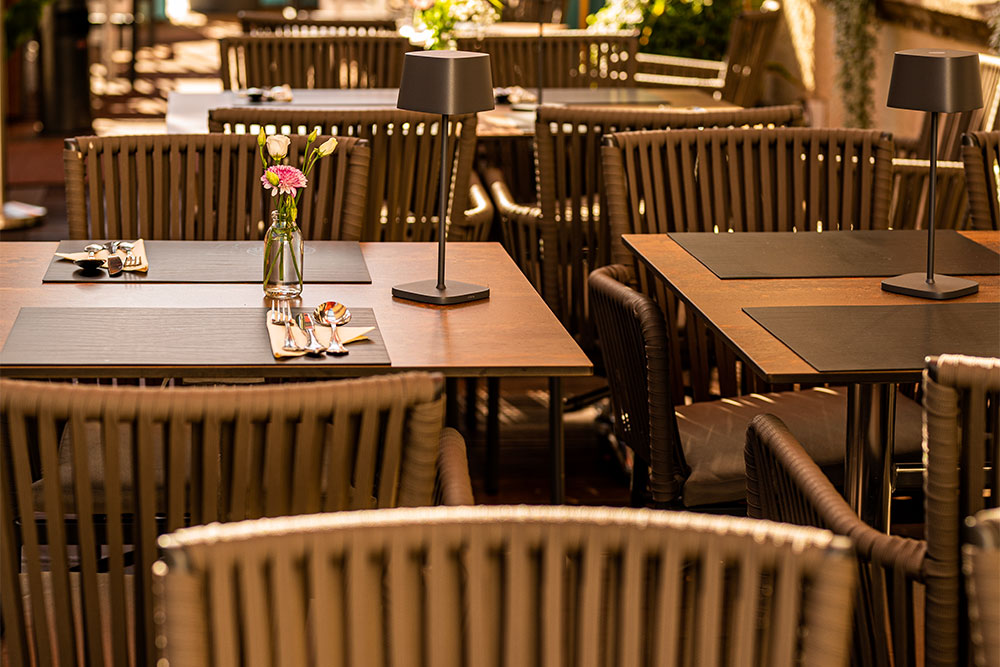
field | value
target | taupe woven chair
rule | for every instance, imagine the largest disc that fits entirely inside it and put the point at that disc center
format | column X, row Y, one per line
column 273, row 23
column 570, row 58
column 738, row 79
column 694, row 453
column 322, row 61
column 203, row 187
column 961, row 410
column 402, row 201
column 136, row 462
column 981, row 158
column 506, row 585
column 981, row 567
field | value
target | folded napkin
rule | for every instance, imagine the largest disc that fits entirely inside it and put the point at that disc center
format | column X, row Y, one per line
column 276, row 332
column 139, row 250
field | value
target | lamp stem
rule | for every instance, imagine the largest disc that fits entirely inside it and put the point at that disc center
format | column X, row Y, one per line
column 442, row 200
column 931, row 201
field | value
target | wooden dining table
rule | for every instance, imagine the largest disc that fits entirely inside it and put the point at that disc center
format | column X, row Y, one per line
column 722, row 304
column 512, row 333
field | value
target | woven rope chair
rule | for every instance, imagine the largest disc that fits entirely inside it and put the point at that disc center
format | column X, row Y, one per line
column 738, row 180
column 738, row 79
column 203, row 187
column 570, row 58
column 273, row 23
column 135, row 462
column 961, row 414
column 403, row 175
column 694, row 453
column 323, row 61
column 981, row 158
column 506, row 585
column 981, row 566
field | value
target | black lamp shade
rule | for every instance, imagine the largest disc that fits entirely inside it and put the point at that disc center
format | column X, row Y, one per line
column 942, row 80
column 446, row 82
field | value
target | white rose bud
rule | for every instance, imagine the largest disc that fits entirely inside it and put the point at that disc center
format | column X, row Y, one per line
column 327, row 147
column 277, row 146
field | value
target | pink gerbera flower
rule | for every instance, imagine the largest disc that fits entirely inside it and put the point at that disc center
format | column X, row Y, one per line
column 283, row 179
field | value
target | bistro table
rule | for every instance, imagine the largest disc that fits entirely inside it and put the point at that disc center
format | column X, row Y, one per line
column 512, row 333
column 870, row 394
column 187, row 113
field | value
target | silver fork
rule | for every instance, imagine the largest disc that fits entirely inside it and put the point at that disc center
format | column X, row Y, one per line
column 282, row 314
column 130, row 259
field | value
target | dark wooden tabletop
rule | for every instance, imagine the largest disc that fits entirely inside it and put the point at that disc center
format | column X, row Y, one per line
column 721, row 303
column 513, row 333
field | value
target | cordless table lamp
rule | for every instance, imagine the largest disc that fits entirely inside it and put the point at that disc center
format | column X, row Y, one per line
column 938, row 81
column 446, row 83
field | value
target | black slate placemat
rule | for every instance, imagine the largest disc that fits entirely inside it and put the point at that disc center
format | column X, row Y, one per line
column 882, row 338
column 836, row 254
column 164, row 337
column 219, row 262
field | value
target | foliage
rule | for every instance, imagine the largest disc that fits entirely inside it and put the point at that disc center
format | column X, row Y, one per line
column 691, row 28
column 855, row 49
column 435, row 21
column 21, row 22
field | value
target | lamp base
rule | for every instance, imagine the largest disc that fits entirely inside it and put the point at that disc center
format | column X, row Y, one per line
column 943, row 287
column 426, row 291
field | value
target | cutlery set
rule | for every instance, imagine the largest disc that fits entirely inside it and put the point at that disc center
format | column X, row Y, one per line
column 114, row 263
column 329, row 314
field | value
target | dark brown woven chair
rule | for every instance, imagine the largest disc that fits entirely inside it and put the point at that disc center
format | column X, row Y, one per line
column 981, row 557
column 961, row 412
column 506, row 585
column 738, row 79
column 694, row 453
column 402, row 200
column 570, row 58
column 981, row 157
column 323, row 61
column 135, row 462
column 307, row 23
column 911, row 192
column 203, row 187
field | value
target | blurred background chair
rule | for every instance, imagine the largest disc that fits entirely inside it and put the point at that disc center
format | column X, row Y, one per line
column 981, row 567
column 528, row 586
column 96, row 473
column 307, row 23
column 981, row 159
column 203, row 187
column 961, row 407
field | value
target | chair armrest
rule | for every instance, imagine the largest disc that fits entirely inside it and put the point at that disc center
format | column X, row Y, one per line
column 453, row 485
column 504, row 200
column 521, row 226
column 674, row 71
column 479, row 215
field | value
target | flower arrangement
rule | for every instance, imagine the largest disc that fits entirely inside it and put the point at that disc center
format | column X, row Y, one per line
column 435, row 21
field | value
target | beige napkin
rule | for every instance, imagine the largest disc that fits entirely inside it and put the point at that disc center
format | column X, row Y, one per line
column 139, row 249
column 276, row 332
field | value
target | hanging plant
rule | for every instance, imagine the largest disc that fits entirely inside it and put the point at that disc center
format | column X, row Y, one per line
column 855, row 48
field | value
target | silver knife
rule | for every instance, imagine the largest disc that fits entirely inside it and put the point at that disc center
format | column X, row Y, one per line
column 313, row 346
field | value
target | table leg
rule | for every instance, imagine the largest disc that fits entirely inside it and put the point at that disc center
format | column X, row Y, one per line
column 492, row 435
column 557, row 442
column 871, row 416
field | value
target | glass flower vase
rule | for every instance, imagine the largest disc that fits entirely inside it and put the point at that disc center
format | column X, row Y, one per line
column 283, row 254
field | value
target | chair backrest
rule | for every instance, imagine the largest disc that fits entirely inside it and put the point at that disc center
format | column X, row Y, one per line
column 961, row 437
column 203, row 187
column 403, row 176
column 274, row 23
column 547, row 11
column 123, row 465
column 506, row 585
column 981, row 556
column 636, row 352
column 570, row 58
column 323, row 61
column 571, row 189
column 749, row 45
column 981, row 156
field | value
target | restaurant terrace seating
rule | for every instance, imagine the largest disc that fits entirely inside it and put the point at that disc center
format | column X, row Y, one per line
column 981, row 567
column 506, row 585
column 203, row 187
column 275, row 23
column 960, row 420
column 980, row 156
column 403, row 174
column 96, row 473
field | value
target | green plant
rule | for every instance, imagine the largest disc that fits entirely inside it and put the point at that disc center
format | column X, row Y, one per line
column 21, row 21
column 855, row 49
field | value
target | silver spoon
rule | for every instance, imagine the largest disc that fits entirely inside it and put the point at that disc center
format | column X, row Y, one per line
column 333, row 315
column 313, row 346
column 91, row 263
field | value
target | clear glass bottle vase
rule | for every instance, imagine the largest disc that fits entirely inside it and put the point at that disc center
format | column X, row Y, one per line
column 283, row 255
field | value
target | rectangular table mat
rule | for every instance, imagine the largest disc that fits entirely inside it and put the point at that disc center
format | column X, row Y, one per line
column 856, row 254
column 165, row 337
column 219, row 262
column 882, row 338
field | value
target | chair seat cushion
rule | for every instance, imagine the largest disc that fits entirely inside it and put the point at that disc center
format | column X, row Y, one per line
column 713, row 435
